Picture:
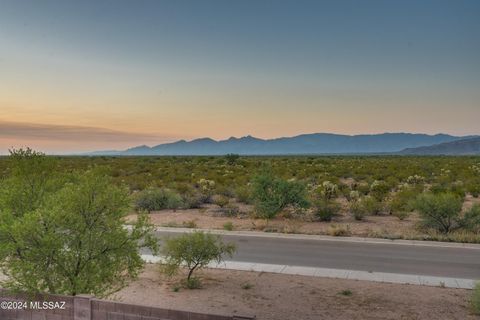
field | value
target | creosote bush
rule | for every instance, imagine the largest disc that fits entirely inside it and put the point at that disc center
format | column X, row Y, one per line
column 326, row 210
column 272, row 194
column 154, row 199
column 439, row 211
column 471, row 219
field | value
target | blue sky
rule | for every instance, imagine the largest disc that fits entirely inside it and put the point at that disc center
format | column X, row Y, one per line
column 162, row 70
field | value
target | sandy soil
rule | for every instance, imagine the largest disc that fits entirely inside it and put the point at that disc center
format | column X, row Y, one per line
column 282, row 297
column 213, row 217
column 210, row 217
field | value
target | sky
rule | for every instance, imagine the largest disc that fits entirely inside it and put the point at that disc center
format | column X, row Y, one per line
column 98, row 75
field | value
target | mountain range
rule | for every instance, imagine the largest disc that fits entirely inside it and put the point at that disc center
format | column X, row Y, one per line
column 469, row 146
column 315, row 143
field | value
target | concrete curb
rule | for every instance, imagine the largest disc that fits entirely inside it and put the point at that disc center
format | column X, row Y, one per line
column 384, row 277
column 326, row 238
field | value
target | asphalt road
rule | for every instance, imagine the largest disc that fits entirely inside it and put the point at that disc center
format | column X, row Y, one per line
column 372, row 257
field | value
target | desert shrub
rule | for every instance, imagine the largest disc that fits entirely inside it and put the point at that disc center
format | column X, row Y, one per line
column 231, row 210
column 357, row 210
column 189, row 224
column 328, row 190
column 339, row 231
column 471, row 219
column 326, row 210
column 220, row 200
column 231, row 158
column 194, row 251
column 365, row 206
column 439, row 211
column 402, row 202
column 247, row 286
column 346, row 292
column 475, row 300
column 473, row 189
column 273, row 194
column 228, row 226
column 362, row 188
column 379, row 189
column 243, row 194
column 192, row 200
column 153, row 199
column 371, row 205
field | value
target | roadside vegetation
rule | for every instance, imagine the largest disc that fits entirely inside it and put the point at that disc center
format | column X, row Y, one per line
column 434, row 197
column 63, row 232
column 194, row 251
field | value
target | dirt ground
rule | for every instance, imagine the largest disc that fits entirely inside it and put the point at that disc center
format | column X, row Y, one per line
column 210, row 217
column 286, row 297
column 213, row 217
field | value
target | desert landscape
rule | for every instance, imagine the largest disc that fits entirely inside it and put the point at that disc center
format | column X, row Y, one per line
column 282, row 297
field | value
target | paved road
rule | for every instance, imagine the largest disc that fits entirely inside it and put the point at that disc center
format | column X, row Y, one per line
column 372, row 257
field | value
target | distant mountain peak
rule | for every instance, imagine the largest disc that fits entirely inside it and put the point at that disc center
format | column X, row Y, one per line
column 312, row 143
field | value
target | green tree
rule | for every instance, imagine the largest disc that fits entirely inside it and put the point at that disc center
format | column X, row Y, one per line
column 271, row 194
column 194, row 251
column 73, row 240
column 439, row 211
column 32, row 177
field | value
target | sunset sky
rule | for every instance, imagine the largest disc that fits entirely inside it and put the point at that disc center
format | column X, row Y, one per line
column 94, row 75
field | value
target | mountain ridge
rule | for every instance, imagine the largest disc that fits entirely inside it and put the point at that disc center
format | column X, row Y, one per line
column 468, row 146
column 312, row 143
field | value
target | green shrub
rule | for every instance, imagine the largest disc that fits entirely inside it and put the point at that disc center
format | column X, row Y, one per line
column 154, row 199
column 325, row 210
column 365, row 206
column 371, row 205
column 228, row 226
column 403, row 201
column 193, row 200
column 471, row 219
column 243, row 194
column 247, row 286
column 273, row 194
column 220, row 201
column 346, row 292
column 379, row 189
column 475, row 300
column 231, row 158
column 439, row 211
column 189, row 224
column 357, row 210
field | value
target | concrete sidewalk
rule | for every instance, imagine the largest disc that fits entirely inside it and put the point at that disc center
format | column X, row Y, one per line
column 340, row 274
